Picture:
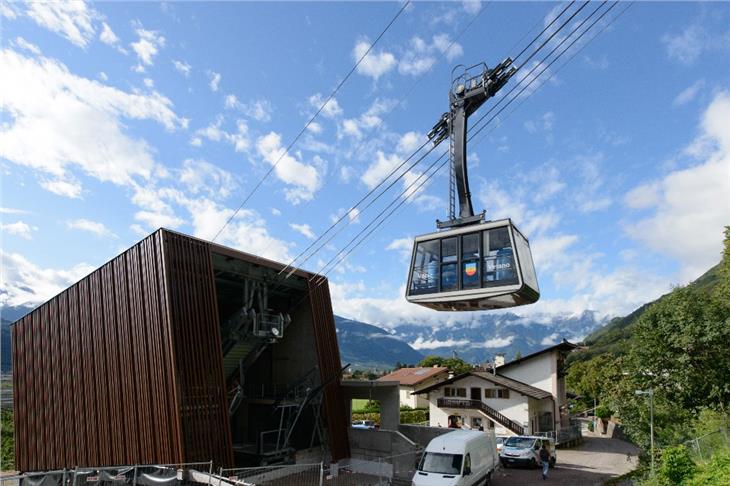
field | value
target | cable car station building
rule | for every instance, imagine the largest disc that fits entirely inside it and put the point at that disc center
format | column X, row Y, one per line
column 179, row 350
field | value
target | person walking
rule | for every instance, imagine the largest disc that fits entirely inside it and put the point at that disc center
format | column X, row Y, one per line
column 544, row 460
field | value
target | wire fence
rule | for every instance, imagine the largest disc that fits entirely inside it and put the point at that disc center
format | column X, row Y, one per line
column 703, row 448
column 141, row 474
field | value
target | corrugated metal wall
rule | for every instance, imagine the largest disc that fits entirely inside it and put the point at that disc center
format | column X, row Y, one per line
column 206, row 432
column 93, row 375
column 328, row 354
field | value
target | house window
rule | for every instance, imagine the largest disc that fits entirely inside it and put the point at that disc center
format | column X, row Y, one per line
column 496, row 393
column 454, row 392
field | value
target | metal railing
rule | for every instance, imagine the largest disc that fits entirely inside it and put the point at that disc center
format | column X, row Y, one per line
column 704, row 447
column 483, row 407
column 291, row 474
column 138, row 474
column 564, row 435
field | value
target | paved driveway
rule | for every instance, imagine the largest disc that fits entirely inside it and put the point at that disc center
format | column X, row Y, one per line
column 593, row 462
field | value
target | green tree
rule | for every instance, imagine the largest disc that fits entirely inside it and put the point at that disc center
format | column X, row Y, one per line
column 455, row 365
column 722, row 289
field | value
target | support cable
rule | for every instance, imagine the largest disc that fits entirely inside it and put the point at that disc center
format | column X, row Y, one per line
column 309, row 122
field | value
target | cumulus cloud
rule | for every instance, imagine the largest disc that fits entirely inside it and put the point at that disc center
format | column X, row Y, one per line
column 214, row 132
column 421, row 343
column 420, row 56
column 304, row 178
column 24, row 44
column 202, row 177
column 693, row 41
column 371, row 118
column 498, row 342
column 330, row 110
column 376, row 63
column 259, row 110
column 79, row 121
column 19, row 228
column 690, row 206
column 404, row 246
column 182, row 67
column 72, row 19
column 689, row 93
column 94, row 227
column 303, row 229
column 107, row 36
column 214, row 80
column 148, row 44
column 24, row 283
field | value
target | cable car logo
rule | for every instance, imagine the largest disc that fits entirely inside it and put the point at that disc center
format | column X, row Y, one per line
column 470, row 269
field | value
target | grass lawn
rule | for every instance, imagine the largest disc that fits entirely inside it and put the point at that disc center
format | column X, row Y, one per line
column 359, row 403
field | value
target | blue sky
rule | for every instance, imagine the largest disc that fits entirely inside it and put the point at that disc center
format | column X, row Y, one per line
column 118, row 118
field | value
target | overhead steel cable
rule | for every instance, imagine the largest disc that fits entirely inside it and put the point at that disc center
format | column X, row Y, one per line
column 362, row 144
column 311, row 119
column 381, row 217
column 395, row 170
column 578, row 51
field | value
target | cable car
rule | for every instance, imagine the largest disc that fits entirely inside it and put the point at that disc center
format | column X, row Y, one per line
column 476, row 267
column 470, row 264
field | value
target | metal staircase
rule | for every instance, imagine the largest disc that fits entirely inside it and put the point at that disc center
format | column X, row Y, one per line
column 485, row 409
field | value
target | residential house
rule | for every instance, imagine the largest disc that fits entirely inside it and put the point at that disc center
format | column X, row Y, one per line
column 412, row 379
column 524, row 396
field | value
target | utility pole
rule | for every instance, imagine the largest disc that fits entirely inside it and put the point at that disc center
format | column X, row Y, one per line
column 650, row 392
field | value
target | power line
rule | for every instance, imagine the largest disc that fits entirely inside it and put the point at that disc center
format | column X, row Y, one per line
column 348, row 213
column 394, row 171
column 345, row 252
column 304, row 129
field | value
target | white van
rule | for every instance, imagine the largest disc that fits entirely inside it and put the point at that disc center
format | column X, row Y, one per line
column 462, row 457
column 525, row 450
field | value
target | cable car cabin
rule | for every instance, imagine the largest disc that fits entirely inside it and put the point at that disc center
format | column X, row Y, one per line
column 476, row 267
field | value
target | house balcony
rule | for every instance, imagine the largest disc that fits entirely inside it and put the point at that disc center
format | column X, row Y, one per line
column 463, row 403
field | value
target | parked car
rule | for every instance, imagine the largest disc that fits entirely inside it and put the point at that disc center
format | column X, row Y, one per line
column 363, row 424
column 500, row 441
column 458, row 458
column 525, row 450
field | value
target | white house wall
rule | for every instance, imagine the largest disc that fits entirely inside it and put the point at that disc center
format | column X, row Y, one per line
column 540, row 372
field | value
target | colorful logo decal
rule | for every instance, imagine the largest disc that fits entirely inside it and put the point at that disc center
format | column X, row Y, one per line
column 470, row 269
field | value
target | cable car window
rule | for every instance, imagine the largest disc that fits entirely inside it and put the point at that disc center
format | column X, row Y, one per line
column 499, row 260
column 425, row 277
column 470, row 247
column 470, row 275
column 528, row 268
column 448, row 277
column 448, row 250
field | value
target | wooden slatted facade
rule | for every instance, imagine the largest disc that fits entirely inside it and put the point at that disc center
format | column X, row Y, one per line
column 126, row 366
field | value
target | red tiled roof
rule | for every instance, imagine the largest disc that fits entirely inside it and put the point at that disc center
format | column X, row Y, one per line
column 413, row 376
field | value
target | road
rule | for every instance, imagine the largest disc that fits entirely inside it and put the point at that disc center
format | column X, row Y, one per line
column 591, row 463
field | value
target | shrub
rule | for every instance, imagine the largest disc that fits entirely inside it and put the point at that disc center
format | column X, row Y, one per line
column 714, row 473
column 415, row 416
column 603, row 412
column 677, row 465
column 590, row 426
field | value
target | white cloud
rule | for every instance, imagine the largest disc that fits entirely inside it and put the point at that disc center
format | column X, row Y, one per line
column 421, row 343
column 200, row 176
column 303, row 229
column 107, row 36
column 148, row 44
column 79, row 121
column 12, row 211
column 498, row 342
column 67, row 188
column 330, row 110
column 239, row 139
column 149, row 83
column 289, row 169
column 24, row 283
column 93, row 227
column 215, row 79
column 644, row 196
column 694, row 41
column 370, row 119
column 691, row 205
column 103, row 76
column 378, row 170
column 73, row 19
column 259, row 110
column 550, row 340
column 404, row 246
column 19, row 228
column 182, row 67
column 375, row 64
column 543, row 123
column 7, row 10
column 420, row 56
column 275, row 212
column 689, row 93
column 24, row 44
column 472, row 6
column 155, row 220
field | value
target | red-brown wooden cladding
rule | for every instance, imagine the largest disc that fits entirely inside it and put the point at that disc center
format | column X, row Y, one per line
column 126, row 365
column 328, row 354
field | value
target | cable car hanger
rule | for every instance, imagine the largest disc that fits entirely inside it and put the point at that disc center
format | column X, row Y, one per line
column 470, row 264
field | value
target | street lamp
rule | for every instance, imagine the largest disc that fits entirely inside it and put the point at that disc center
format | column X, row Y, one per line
column 650, row 392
